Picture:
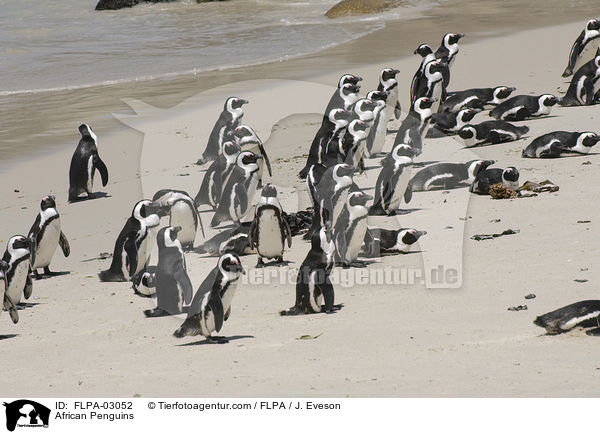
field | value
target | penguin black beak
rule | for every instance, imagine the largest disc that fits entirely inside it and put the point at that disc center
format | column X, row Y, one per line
column 159, row 208
column 244, row 101
column 420, row 233
column 176, row 229
column 357, row 78
column 460, row 35
column 395, row 71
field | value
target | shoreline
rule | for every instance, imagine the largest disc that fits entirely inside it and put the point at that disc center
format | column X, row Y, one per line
column 56, row 116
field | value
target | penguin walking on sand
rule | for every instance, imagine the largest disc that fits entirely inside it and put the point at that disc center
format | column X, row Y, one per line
column 378, row 241
column 584, row 85
column 427, row 54
column 583, row 313
column 7, row 304
column 47, row 235
column 486, row 177
column 133, row 246
column 269, row 231
column 238, row 194
column 389, row 84
column 182, row 213
column 584, row 47
column 19, row 254
column 84, row 163
column 444, row 175
column 522, row 107
column 391, row 184
column 552, row 145
column 216, row 176
column 490, row 133
column 314, row 291
column 228, row 121
column 173, row 285
column 211, row 305
column 350, row 228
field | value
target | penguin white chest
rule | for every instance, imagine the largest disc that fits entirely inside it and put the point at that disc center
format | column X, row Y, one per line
column 90, row 173
column 17, row 283
column 182, row 215
column 270, row 243
column 48, row 244
column 356, row 240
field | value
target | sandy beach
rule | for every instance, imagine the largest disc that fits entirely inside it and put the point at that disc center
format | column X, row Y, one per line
column 82, row 337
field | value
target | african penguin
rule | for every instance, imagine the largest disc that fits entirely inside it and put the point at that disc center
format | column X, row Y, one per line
column 182, row 213
column 238, row 194
column 350, row 228
column 332, row 191
column 486, row 177
column 583, row 48
column 378, row 131
column 391, row 184
column 523, row 107
column 431, row 84
column 449, row 48
column 584, row 85
column 216, row 176
column 378, row 241
column 134, row 243
column 552, row 145
column 448, row 123
column 173, row 285
column 84, row 162
column 584, row 313
column 19, row 253
column 314, row 291
column 46, row 234
column 444, row 176
column 236, row 240
column 345, row 95
column 211, row 305
column 490, row 132
column 419, row 117
column 269, row 230
column 427, row 54
column 247, row 138
column 7, row 303
column 389, row 84
column 228, row 120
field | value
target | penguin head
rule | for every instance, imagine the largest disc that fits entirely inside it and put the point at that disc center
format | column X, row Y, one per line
column 48, row 202
column 589, row 139
column 342, row 173
column 86, row 131
column 349, row 90
column 348, row 79
column 269, row 190
column 423, row 103
column 231, row 149
column 510, row 174
column 147, row 211
column 358, row 129
column 234, row 103
column 467, row 132
column 388, row 74
column 340, row 117
column 548, row 100
column 592, row 26
column 364, row 109
column 230, row 264
column 245, row 134
column 403, row 151
column 378, row 95
column 406, row 238
column 423, row 50
column 357, row 199
column 475, row 166
column 21, row 245
column 501, row 93
column 248, row 161
column 466, row 115
column 167, row 237
column 452, row 39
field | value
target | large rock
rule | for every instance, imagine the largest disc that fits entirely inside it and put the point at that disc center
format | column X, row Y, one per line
column 354, row 7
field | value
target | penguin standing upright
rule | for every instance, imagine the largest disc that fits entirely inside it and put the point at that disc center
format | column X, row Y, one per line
column 332, row 191
column 211, row 305
column 84, row 163
column 19, row 253
column 46, row 234
column 389, row 84
column 378, row 131
column 391, row 184
column 418, row 119
column 449, row 48
column 269, row 230
column 522, row 107
column 228, row 120
column 351, row 227
column 431, row 84
column 345, row 95
column 584, row 85
column 216, row 175
column 239, row 192
column 583, row 48
column 314, row 291
column 248, row 139
column 5, row 301
column 182, row 213
column 364, row 110
column 427, row 54
column 132, row 248
column 173, row 286
column 314, row 176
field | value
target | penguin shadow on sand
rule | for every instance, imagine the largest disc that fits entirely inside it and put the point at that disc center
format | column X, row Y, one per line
column 44, row 276
column 216, row 340
column 8, row 336
column 25, row 305
column 96, row 195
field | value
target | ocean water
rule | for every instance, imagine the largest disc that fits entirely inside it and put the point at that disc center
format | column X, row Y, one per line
column 65, row 44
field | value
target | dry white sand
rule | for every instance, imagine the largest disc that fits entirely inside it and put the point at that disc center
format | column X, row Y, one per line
column 86, row 338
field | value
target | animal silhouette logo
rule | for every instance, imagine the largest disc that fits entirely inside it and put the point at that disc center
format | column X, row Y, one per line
column 26, row 413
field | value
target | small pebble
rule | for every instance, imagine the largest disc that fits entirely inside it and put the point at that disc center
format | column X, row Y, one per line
column 529, row 296
column 517, row 308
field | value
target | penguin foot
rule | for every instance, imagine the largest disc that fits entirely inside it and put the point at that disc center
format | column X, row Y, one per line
column 36, row 275
column 332, row 309
column 260, row 263
column 217, row 339
column 156, row 313
column 292, row 311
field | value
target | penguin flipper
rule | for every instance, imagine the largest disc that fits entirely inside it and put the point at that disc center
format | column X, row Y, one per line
column 287, row 231
column 266, row 157
column 183, row 281
column 131, row 251
column 12, row 309
column 216, row 306
column 408, row 193
column 99, row 164
column 28, row 286
column 227, row 313
column 397, row 110
column 240, row 199
column 64, row 244
column 253, row 235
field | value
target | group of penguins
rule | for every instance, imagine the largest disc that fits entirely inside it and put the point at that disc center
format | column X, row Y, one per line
column 353, row 128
